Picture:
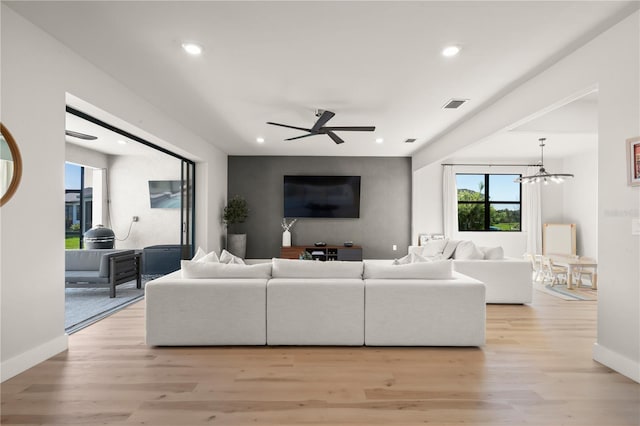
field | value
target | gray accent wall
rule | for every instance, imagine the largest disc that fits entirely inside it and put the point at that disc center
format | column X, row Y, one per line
column 385, row 203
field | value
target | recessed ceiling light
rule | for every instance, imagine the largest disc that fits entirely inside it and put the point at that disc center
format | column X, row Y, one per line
column 450, row 51
column 192, row 48
column 260, row 140
column 379, row 140
column 121, row 142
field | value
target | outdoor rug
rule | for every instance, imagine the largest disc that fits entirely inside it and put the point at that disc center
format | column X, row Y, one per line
column 84, row 306
column 561, row 291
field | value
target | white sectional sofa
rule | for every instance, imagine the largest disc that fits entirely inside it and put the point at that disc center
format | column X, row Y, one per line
column 316, row 303
column 507, row 280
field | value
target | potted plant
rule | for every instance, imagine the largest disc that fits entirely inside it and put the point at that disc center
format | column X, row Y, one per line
column 236, row 211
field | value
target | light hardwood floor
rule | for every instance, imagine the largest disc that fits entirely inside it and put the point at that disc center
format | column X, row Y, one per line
column 536, row 369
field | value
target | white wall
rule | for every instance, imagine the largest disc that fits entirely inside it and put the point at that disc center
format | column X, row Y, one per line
column 85, row 157
column 609, row 62
column 426, row 202
column 37, row 75
column 580, row 200
column 129, row 178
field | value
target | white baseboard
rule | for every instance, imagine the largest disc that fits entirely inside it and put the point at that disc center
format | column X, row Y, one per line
column 26, row 360
column 615, row 361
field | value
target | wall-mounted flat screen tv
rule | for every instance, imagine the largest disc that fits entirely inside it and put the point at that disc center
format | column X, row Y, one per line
column 322, row 196
column 165, row 194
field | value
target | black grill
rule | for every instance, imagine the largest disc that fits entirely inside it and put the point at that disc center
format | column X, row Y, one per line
column 99, row 237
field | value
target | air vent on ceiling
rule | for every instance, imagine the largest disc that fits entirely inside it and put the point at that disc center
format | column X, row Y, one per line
column 410, row 140
column 454, row 103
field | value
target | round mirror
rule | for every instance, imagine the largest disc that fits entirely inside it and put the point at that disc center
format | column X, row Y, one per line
column 10, row 165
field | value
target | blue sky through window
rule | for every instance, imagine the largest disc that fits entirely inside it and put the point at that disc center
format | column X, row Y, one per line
column 502, row 187
column 71, row 176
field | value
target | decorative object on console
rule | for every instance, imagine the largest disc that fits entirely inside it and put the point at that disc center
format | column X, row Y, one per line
column 236, row 211
column 348, row 243
column 286, row 235
column 423, row 238
column 327, row 252
column 543, row 175
column 320, row 244
column 633, row 161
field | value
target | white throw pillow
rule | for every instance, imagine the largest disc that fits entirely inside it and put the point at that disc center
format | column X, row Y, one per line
column 450, row 248
column 492, row 253
column 209, row 257
column 467, row 250
column 199, row 254
column 438, row 270
column 192, row 269
column 226, row 257
column 433, row 248
column 291, row 268
column 410, row 258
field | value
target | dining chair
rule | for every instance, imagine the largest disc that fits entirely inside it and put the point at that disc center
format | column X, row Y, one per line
column 536, row 265
column 552, row 273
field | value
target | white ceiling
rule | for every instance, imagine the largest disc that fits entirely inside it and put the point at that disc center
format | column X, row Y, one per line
column 372, row 63
column 107, row 142
column 569, row 130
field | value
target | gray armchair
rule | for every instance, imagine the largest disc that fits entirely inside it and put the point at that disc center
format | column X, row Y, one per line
column 101, row 268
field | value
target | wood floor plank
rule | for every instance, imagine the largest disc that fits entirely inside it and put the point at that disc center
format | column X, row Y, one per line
column 536, row 369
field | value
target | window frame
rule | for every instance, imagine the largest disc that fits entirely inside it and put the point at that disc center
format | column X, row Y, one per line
column 487, row 202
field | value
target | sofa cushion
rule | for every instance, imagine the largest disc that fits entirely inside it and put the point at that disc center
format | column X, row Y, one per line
column 191, row 269
column 467, row 250
column 436, row 270
column 84, row 277
column 290, row 268
column 91, row 260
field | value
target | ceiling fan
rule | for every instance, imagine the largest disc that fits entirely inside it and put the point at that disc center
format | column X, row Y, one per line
column 80, row 135
column 319, row 127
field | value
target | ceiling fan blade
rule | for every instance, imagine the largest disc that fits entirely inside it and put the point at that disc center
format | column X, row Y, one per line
column 326, row 116
column 335, row 137
column 288, row 127
column 352, row 128
column 300, row 137
column 80, row 135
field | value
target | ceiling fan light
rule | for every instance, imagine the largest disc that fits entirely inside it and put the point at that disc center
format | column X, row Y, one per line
column 450, row 51
column 192, row 48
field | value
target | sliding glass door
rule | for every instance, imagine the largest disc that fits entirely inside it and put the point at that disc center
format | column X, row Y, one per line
column 78, row 205
column 187, row 236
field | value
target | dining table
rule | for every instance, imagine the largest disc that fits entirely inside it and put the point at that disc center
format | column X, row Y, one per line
column 575, row 263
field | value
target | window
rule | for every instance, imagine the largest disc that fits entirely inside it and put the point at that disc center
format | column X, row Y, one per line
column 488, row 202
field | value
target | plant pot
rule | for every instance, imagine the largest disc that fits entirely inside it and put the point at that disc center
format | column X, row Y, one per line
column 237, row 244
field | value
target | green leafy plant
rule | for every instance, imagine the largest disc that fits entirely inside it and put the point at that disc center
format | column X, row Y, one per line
column 236, row 211
column 305, row 255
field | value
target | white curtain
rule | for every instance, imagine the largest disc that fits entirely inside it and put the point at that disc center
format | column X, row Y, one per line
column 531, row 215
column 449, row 201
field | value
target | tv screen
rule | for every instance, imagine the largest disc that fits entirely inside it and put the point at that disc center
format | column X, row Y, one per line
column 165, row 194
column 322, row 196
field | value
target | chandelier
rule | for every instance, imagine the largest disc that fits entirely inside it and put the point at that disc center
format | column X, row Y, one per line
column 543, row 175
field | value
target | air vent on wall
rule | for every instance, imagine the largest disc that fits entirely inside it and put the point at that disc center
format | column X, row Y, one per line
column 410, row 140
column 454, row 103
